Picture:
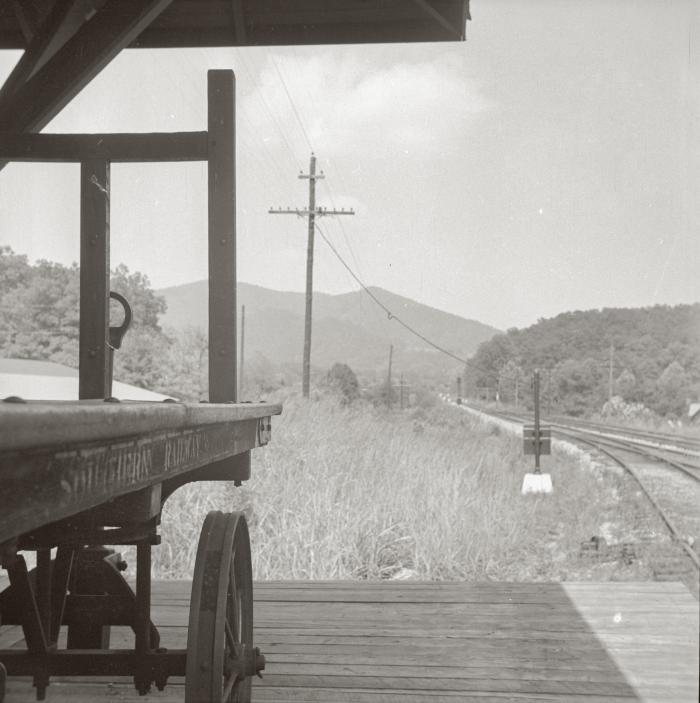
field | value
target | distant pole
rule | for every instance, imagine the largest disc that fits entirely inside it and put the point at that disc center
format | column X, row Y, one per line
column 388, row 380
column 549, row 392
column 537, row 421
column 459, row 390
column 309, row 277
column 401, row 390
column 610, row 372
column 241, row 376
column 312, row 212
column 517, row 388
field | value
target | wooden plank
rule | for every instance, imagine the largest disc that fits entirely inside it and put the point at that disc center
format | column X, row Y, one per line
column 645, row 658
column 94, row 361
column 222, row 236
column 163, row 146
column 124, row 692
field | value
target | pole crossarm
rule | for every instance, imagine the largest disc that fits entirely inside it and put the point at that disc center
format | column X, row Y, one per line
column 305, row 212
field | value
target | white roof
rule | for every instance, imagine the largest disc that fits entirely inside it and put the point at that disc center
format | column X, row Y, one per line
column 43, row 380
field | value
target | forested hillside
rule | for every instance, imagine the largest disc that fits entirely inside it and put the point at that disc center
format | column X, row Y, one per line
column 655, row 356
column 39, row 319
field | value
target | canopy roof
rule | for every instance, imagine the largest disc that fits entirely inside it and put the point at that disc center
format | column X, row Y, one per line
column 190, row 23
column 68, row 42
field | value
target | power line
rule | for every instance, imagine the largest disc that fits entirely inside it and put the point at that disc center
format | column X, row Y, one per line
column 308, row 141
column 390, row 314
column 291, row 102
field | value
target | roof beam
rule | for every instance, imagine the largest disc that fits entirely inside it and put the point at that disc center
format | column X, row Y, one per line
column 239, row 22
column 46, row 39
column 76, row 63
column 119, row 148
column 429, row 9
column 27, row 18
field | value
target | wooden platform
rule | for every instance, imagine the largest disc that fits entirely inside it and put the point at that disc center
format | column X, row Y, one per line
column 423, row 642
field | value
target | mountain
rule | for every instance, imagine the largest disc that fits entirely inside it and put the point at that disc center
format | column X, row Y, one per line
column 349, row 328
column 652, row 354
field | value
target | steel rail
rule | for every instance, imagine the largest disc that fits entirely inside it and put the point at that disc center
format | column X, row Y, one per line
column 689, row 470
column 675, row 532
column 678, row 439
column 598, row 444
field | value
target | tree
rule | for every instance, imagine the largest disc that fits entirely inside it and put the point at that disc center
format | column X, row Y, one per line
column 671, row 390
column 578, row 385
column 39, row 317
column 342, row 380
column 186, row 370
column 146, row 305
column 511, row 382
column 625, row 385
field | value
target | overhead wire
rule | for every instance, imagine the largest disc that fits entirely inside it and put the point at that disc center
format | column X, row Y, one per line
column 291, row 102
column 389, row 313
column 311, row 148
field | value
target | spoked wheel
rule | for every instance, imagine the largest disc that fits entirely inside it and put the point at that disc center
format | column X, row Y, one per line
column 220, row 656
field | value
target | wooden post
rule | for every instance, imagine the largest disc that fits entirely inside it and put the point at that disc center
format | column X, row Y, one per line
column 388, row 379
column 222, row 236
column 241, row 377
column 537, row 420
column 94, row 363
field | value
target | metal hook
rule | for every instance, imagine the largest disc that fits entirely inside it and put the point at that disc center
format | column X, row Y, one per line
column 116, row 334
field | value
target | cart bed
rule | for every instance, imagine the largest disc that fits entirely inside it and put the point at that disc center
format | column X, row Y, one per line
column 61, row 458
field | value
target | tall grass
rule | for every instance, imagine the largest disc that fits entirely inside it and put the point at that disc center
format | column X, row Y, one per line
column 354, row 492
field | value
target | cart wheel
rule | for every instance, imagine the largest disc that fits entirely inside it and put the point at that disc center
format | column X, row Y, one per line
column 220, row 654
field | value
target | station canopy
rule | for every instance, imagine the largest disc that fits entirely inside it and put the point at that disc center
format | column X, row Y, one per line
column 67, row 43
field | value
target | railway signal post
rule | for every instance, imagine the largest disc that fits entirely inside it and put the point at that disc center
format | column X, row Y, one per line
column 537, row 440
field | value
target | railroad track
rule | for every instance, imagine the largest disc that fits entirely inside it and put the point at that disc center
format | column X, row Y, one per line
column 660, row 454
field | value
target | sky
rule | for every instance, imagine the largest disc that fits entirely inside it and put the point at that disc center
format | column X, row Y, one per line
column 549, row 163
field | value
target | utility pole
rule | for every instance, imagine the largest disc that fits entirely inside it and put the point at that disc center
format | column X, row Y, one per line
column 311, row 212
column 388, row 380
column 401, row 390
column 536, row 381
column 610, row 372
column 241, row 371
column 459, row 390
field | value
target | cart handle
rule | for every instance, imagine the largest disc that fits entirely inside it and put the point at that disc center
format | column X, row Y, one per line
column 116, row 334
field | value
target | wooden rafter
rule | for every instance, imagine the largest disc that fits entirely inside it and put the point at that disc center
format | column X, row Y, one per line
column 28, row 18
column 429, row 9
column 43, row 43
column 37, row 100
column 239, row 22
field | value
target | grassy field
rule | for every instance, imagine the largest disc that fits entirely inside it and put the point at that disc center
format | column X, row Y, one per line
column 355, row 492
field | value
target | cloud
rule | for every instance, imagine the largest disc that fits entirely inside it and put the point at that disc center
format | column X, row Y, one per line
column 349, row 105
